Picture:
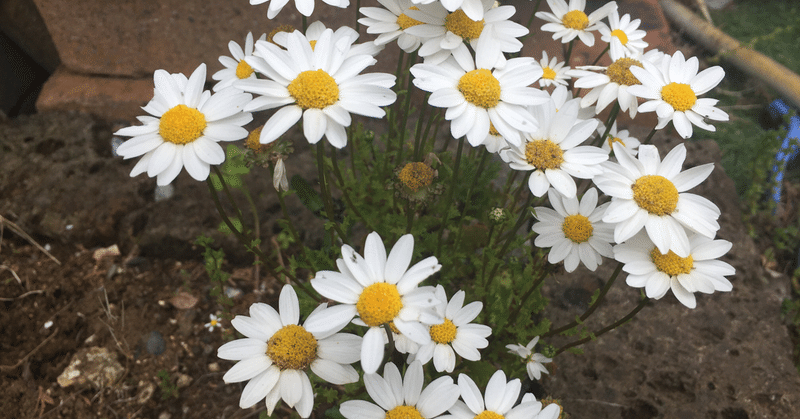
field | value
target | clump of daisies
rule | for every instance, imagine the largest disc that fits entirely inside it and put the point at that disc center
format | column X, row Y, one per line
column 455, row 182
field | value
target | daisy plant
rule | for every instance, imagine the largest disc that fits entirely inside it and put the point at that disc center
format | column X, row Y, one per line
column 402, row 215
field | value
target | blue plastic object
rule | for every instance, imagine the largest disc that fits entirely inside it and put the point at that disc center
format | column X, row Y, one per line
column 790, row 147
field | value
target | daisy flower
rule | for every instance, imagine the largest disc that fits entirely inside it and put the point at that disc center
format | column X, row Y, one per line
column 498, row 401
column 612, row 84
column 236, row 68
column 185, row 127
column 623, row 35
column 478, row 96
column 551, row 410
column 213, row 323
column 276, row 353
column 622, row 137
column 534, row 361
column 381, row 290
column 456, row 333
column 553, row 72
column 553, row 152
column 671, row 90
column 494, row 142
column 445, row 33
column 390, row 23
column 317, row 28
column 569, row 21
column 402, row 397
column 574, row 230
column 658, row 272
column 322, row 85
column 305, row 7
column 647, row 192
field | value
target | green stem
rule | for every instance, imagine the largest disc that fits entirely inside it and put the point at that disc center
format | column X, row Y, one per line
column 406, row 108
column 305, row 24
column 509, row 238
column 326, row 193
column 649, row 136
column 451, row 193
column 591, row 308
column 292, row 229
column 344, row 189
column 612, row 117
column 469, row 195
column 358, row 7
column 528, row 293
column 606, row 329
column 256, row 229
column 569, row 53
column 601, row 54
column 246, row 242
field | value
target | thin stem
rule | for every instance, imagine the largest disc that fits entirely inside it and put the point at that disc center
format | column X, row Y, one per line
column 528, row 293
column 305, row 24
column 569, row 53
column 451, row 193
column 601, row 54
column 397, row 358
column 508, row 239
column 256, row 231
column 469, row 195
column 228, row 193
column 591, row 308
column 418, row 131
column 530, row 21
column 612, row 117
column 326, row 193
column 411, row 209
column 345, row 193
column 246, row 242
column 606, row 329
column 292, row 230
column 406, row 109
column 649, row 136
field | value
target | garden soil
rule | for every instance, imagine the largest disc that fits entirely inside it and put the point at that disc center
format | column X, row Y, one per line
column 138, row 315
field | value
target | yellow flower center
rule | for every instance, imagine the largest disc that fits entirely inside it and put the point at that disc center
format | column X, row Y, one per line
column 280, row 28
column 405, row 22
column 292, row 348
column 655, row 194
column 458, row 23
column 619, row 72
column 379, row 303
column 394, row 328
column 253, row 139
column 416, row 175
column 181, row 125
column 679, row 95
column 544, row 154
column 549, row 73
column 577, row 228
column 443, row 333
column 213, row 323
column 480, row 88
column 314, row 89
column 575, row 19
column 671, row 264
column 243, row 70
column 493, row 130
column 403, row 412
column 612, row 140
column 313, row 44
column 621, row 35
column 488, row 414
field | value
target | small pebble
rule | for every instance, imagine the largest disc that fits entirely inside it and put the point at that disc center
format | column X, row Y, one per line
column 164, row 192
column 213, row 367
column 155, row 343
column 232, row 292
